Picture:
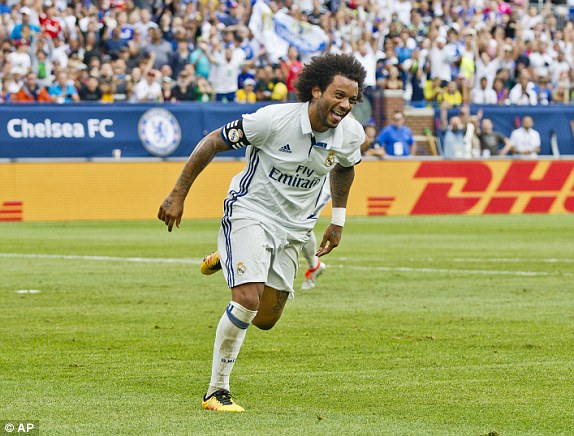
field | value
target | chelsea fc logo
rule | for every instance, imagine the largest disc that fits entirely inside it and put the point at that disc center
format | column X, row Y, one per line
column 159, row 132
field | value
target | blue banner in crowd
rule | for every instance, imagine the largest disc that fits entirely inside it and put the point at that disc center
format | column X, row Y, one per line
column 96, row 130
column 548, row 120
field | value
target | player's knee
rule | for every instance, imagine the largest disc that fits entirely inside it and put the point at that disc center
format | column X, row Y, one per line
column 264, row 324
column 247, row 296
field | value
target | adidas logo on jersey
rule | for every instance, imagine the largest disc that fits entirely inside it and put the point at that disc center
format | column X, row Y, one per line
column 285, row 149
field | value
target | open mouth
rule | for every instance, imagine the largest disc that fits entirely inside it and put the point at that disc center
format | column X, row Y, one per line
column 337, row 116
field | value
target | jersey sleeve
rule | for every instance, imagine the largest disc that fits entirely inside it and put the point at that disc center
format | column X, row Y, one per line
column 257, row 127
column 252, row 129
column 354, row 137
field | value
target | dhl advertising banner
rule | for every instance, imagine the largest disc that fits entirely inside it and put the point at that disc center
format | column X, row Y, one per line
column 118, row 190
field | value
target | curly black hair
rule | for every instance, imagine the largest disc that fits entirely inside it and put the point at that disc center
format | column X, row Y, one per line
column 321, row 71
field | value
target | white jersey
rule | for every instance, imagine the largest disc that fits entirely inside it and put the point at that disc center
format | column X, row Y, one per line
column 287, row 165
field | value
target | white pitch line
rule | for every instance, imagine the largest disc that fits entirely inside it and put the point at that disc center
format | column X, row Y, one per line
column 356, row 267
column 456, row 271
column 103, row 258
column 511, row 260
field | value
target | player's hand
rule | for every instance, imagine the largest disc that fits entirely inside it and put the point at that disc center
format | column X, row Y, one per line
column 171, row 211
column 331, row 239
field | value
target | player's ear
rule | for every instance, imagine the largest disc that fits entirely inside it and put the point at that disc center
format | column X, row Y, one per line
column 316, row 92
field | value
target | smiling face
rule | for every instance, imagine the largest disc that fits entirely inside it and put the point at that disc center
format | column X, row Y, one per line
column 329, row 107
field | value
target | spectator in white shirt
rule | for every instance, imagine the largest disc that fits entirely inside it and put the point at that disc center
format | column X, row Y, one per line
column 559, row 65
column 440, row 60
column 540, row 59
column 148, row 89
column 525, row 140
column 523, row 92
column 483, row 94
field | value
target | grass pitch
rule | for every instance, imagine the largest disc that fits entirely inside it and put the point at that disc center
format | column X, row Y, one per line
column 427, row 325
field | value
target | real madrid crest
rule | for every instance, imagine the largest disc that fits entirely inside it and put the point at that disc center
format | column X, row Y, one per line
column 330, row 159
column 235, row 135
column 240, row 268
column 159, row 132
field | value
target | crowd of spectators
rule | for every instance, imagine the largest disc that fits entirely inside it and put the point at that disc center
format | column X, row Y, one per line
column 448, row 52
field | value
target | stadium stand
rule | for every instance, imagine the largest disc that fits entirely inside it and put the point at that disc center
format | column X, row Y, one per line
column 430, row 51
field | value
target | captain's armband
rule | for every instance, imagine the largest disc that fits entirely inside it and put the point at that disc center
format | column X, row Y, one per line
column 233, row 135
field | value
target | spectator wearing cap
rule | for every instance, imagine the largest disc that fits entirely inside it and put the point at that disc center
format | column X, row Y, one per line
column 482, row 94
column 31, row 92
column 167, row 88
column 247, row 93
column 246, row 73
column 20, row 59
column 62, row 91
column 147, row 89
column 31, row 29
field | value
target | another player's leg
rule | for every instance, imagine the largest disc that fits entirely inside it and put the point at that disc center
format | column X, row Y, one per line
column 315, row 266
column 270, row 308
column 210, row 264
column 229, row 337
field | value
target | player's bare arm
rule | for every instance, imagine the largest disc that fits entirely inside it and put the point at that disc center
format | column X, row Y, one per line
column 171, row 210
column 341, row 181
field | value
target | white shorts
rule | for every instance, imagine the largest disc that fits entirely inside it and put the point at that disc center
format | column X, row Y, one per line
column 250, row 253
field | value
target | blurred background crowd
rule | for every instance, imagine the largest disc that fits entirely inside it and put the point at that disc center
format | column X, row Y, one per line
column 439, row 52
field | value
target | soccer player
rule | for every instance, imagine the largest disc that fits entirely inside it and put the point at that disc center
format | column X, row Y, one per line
column 269, row 210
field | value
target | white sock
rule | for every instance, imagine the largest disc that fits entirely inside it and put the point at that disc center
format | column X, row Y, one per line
column 309, row 250
column 229, row 337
